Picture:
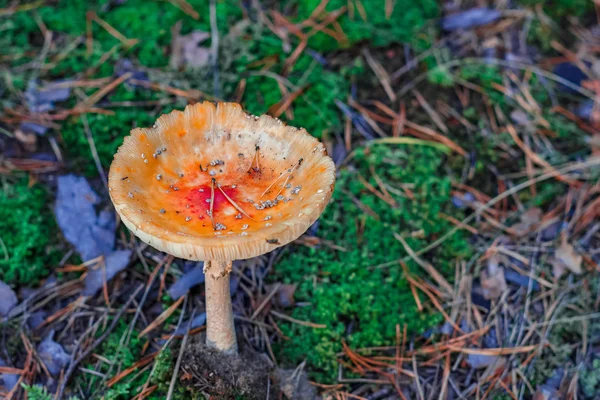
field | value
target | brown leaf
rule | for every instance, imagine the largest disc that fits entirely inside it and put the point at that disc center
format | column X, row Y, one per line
column 493, row 282
column 186, row 50
column 27, row 139
column 529, row 219
column 565, row 258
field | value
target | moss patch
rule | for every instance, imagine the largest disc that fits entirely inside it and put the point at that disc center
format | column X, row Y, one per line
column 27, row 230
column 344, row 289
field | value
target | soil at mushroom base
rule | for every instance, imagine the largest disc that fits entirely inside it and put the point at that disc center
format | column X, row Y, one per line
column 215, row 184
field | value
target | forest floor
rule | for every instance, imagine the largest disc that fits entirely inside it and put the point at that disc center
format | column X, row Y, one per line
column 459, row 256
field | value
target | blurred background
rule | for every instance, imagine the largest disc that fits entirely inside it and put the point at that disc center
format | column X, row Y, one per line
column 458, row 257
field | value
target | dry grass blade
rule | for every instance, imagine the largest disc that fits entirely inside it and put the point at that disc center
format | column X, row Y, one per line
column 389, row 200
column 537, row 159
column 501, row 351
column 435, row 117
column 92, row 16
column 410, row 141
column 381, row 74
column 186, row 8
column 297, row 321
column 284, row 104
column 430, row 269
column 233, row 203
column 97, row 96
column 162, row 317
column 139, row 364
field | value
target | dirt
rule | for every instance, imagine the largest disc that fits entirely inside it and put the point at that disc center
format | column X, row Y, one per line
column 247, row 375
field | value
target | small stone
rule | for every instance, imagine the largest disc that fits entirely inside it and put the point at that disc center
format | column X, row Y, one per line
column 188, row 219
column 162, row 211
column 244, row 234
column 158, row 177
column 239, row 216
column 245, row 226
column 220, row 227
column 130, row 195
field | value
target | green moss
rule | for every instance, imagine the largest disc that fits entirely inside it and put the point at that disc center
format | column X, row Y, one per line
column 589, row 379
column 149, row 22
column 367, row 20
column 36, row 392
column 562, row 8
column 344, row 289
column 27, row 231
column 107, row 131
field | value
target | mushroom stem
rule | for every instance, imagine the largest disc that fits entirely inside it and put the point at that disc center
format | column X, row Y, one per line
column 220, row 330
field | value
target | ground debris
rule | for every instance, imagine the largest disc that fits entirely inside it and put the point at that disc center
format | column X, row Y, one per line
column 53, row 355
column 42, row 98
column 193, row 277
column 8, row 299
column 225, row 376
column 186, row 50
column 105, row 270
column 92, row 234
column 566, row 259
column 470, row 18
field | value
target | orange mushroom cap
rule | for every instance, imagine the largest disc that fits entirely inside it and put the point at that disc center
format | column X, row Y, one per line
column 214, row 183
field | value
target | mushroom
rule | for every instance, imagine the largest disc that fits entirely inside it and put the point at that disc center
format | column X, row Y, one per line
column 213, row 183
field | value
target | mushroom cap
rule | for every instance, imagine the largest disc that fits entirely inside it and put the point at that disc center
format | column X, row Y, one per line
column 214, row 183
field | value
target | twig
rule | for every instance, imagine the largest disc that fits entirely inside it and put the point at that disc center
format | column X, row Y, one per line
column 214, row 47
column 179, row 358
column 94, row 151
column 297, row 321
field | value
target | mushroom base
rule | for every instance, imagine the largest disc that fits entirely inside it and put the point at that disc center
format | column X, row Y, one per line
column 220, row 329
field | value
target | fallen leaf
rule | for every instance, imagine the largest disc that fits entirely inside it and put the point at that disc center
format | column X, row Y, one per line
column 32, row 127
column 187, row 281
column 198, row 321
column 114, row 263
column 478, row 361
column 470, row 18
column 565, row 258
column 42, row 98
column 493, row 282
column 8, row 299
column 284, row 296
column 186, row 50
column 53, row 355
column 7, row 381
column 529, row 219
column 92, row 234
column 27, row 139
